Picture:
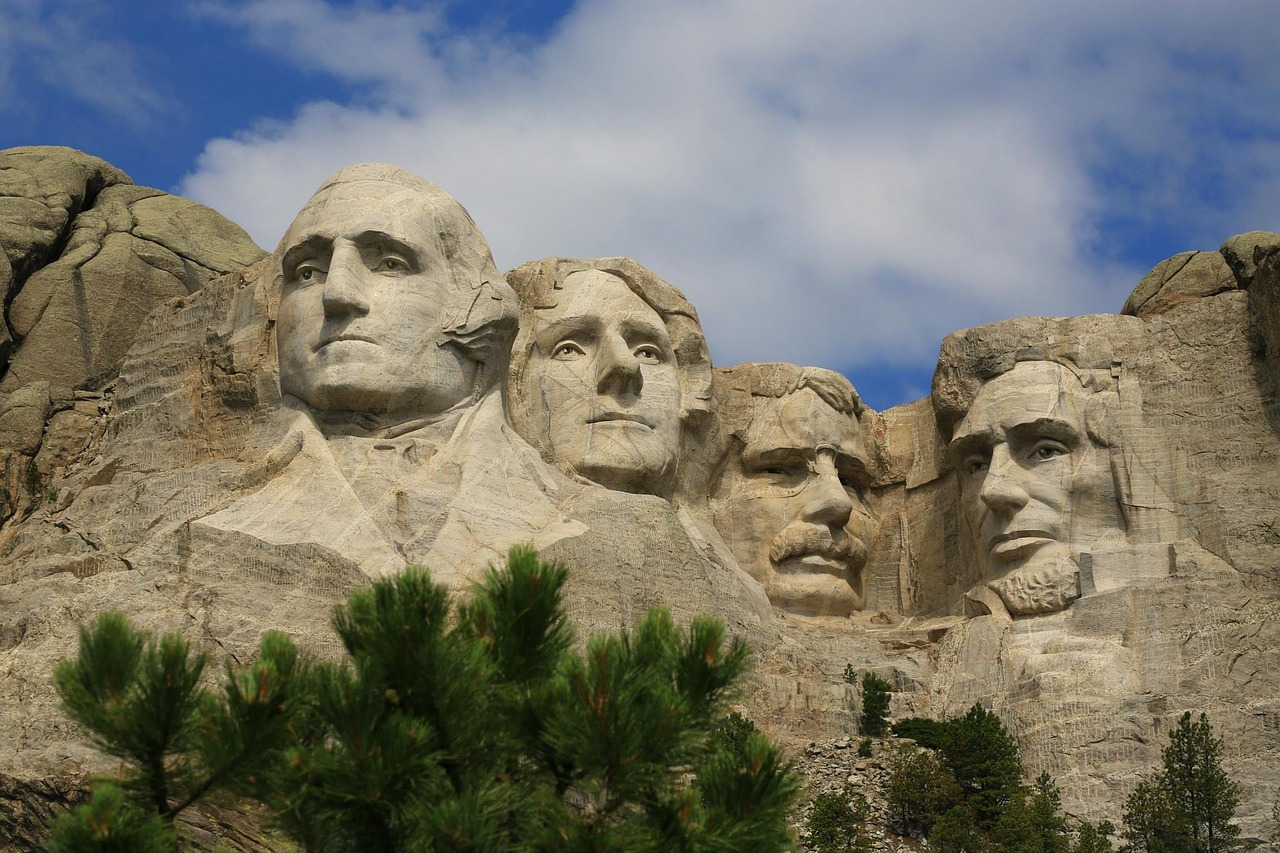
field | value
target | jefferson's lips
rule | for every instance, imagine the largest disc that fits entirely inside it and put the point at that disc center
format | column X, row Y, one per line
column 607, row 417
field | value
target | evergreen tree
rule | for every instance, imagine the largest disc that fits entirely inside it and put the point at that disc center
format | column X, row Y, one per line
column 919, row 789
column 838, row 822
column 875, row 705
column 141, row 700
column 470, row 728
column 957, row 832
column 1048, row 825
column 1151, row 824
column 1093, row 839
column 983, row 757
column 1188, row 807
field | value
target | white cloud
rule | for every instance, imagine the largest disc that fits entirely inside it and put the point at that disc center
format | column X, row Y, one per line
column 831, row 182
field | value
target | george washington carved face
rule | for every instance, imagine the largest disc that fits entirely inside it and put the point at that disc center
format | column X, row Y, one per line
column 376, row 273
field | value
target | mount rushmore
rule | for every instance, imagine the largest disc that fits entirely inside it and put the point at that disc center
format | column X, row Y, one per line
column 1078, row 528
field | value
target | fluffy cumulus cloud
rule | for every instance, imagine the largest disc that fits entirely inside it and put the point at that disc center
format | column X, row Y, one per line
column 831, row 182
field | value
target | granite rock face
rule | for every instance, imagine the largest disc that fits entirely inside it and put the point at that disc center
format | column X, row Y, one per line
column 87, row 256
column 1077, row 528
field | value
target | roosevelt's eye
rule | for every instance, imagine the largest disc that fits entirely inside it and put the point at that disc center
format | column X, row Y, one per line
column 974, row 463
column 566, row 350
column 649, row 354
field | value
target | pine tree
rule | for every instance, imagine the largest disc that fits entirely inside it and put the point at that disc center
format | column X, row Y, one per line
column 472, row 727
column 838, row 822
column 1093, row 839
column 983, row 757
column 140, row 699
column 919, row 789
column 1188, row 807
column 875, row 705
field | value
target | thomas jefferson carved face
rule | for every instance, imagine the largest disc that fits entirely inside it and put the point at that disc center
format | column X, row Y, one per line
column 606, row 379
column 791, row 507
column 366, row 292
column 1033, row 483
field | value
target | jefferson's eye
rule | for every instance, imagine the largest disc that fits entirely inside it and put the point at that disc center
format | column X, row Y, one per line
column 567, row 350
column 1045, row 450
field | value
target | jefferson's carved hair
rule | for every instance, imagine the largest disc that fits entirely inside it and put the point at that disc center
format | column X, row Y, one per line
column 538, row 284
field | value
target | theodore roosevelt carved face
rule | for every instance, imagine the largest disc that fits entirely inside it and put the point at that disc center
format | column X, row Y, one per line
column 789, row 498
column 1034, row 484
column 379, row 273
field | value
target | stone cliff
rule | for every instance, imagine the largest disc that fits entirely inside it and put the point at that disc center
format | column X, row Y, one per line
column 1077, row 528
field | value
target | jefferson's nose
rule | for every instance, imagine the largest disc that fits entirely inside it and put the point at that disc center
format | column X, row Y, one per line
column 1002, row 486
column 618, row 369
column 344, row 285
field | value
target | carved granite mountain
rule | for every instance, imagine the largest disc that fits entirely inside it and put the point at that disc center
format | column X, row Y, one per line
column 1078, row 528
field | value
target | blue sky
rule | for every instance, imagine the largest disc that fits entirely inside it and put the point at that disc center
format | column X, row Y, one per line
column 831, row 182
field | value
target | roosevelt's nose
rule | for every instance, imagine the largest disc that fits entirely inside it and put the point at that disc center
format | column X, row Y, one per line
column 617, row 368
column 345, row 285
column 1002, row 488
column 826, row 501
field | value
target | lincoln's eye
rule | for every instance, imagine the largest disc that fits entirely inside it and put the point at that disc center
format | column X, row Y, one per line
column 649, row 354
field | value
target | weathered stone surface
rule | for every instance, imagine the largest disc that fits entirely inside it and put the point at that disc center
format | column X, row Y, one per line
column 87, row 256
column 285, row 432
column 1170, row 283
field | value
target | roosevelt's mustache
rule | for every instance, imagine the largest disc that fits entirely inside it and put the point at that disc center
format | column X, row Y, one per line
column 798, row 541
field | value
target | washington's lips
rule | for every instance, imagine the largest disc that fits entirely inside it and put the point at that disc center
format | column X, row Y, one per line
column 344, row 337
column 625, row 417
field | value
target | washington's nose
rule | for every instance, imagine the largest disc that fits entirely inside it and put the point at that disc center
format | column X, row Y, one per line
column 1002, row 487
column 618, row 369
column 827, row 502
column 344, row 286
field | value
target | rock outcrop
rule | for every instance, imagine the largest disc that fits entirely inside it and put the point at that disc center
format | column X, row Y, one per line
column 1077, row 529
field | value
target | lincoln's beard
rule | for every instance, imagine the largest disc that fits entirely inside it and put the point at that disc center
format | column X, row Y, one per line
column 1044, row 585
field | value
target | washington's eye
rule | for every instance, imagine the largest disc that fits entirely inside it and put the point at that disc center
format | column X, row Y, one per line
column 392, row 263
column 567, row 350
column 307, row 272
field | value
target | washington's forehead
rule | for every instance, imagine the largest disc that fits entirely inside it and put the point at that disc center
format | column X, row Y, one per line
column 357, row 206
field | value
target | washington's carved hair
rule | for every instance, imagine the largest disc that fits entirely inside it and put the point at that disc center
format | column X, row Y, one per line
column 483, row 316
